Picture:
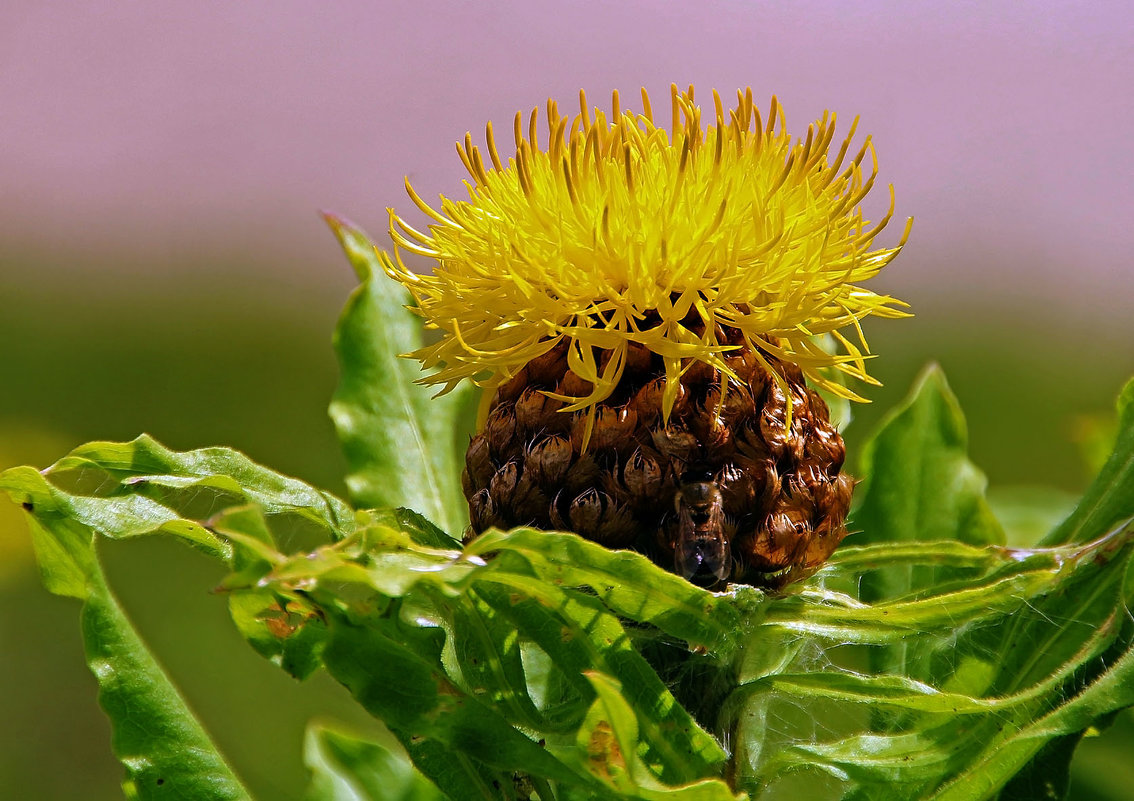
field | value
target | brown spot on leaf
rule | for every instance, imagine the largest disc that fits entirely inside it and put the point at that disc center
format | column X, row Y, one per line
column 283, row 621
column 603, row 752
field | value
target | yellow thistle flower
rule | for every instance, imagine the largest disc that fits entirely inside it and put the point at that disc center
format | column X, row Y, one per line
column 619, row 230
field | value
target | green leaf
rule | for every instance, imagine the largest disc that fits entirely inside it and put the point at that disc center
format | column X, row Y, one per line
column 988, row 685
column 609, row 737
column 119, row 516
column 474, row 657
column 399, row 442
column 65, row 556
column 1110, row 498
column 347, row 768
column 629, row 583
column 145, row 467
column 926, row 660
column 489, row 655
column 165, row 751
column 580, row 636
column 997, row 764
column 140, row 488
column 286, row 631
column 409, row 521
column 129, row 489
column 394, row 671
column 1048, row 776
column 945, row 669
column 920, row 485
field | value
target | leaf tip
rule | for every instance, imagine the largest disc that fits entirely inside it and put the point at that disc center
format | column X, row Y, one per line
column 354, row 242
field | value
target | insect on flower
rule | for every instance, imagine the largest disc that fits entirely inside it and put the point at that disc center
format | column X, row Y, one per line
column 645, row 304
column 700, row 539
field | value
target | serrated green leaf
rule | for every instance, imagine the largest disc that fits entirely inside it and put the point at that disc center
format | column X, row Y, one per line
column 536, row 565
column 129, row 489
column 581, row 636
column 140, row 488
column 399, row 442
column 1110, row 498
column 348, row 768
column 489, row 656
column 145, row 467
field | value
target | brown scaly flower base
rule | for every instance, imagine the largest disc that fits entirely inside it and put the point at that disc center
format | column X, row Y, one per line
column 659, row 489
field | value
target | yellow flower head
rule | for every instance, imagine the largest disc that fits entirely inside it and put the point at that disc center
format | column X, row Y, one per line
column 620, row 230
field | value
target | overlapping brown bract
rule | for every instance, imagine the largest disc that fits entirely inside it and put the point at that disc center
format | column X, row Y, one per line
column 783, row 496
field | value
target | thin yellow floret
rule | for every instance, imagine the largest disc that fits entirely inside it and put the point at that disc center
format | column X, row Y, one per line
column 618, row 230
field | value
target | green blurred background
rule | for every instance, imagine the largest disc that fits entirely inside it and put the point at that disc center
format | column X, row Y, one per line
column 163, row 269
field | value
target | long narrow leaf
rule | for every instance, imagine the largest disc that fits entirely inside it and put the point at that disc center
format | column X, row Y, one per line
column 157, row 739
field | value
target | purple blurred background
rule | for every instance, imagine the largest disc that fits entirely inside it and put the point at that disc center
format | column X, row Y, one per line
column 156, row 131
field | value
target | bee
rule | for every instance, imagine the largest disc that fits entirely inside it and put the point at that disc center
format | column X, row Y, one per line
column 701, row 538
